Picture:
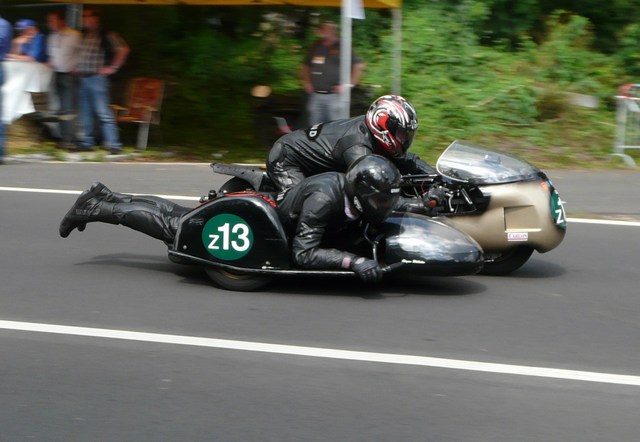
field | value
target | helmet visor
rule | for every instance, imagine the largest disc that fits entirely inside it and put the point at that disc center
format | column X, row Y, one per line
column 379, row 205
column 405, row 136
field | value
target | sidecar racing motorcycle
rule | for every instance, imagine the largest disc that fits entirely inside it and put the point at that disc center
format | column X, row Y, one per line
column 497, row 210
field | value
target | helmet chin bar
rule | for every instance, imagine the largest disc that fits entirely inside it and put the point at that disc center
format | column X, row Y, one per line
column 387, row 140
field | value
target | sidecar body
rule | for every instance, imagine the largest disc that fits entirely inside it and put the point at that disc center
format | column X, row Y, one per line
column 239, row 239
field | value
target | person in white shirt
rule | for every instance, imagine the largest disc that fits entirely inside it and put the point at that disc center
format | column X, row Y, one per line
column 63, row 49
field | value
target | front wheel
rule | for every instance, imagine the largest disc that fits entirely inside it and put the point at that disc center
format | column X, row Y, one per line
column 237, row 281
column 507, row 262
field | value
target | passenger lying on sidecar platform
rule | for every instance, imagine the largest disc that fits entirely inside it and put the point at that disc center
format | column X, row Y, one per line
column 317, row 208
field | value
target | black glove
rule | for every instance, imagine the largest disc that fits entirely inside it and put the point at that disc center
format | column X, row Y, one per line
column 435, row 198
column 367, row 269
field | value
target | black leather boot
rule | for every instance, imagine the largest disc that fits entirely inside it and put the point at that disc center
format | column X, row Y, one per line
column 100, row 189
column 89, row 207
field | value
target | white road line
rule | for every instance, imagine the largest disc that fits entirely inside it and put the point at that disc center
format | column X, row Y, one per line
column 294, row 350
column 33, row 190
column 608, row 222
column 78, row 192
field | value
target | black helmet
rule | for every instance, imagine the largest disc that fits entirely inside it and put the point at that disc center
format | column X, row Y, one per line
column 392, row 121
column 373, row 186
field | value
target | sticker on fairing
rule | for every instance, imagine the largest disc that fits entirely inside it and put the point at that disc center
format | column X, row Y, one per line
column 227, row 237
column 557, row 210
column 517, row 236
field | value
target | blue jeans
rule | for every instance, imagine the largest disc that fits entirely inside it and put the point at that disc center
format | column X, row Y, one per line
column 1, row 122
column 323, row 107
column 95, row 96
column 65, row 89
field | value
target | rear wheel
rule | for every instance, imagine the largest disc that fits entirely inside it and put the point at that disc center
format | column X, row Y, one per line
column 507, row 262
column 235, row 185
column 237, row 281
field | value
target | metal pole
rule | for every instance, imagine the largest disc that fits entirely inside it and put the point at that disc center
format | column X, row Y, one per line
column 74, row 15
column 345, row 58
column 396, row 69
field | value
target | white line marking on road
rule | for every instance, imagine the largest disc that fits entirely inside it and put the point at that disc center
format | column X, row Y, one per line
column 316, row 352
column 78, row 192
column 33, row 190
column 609, row 222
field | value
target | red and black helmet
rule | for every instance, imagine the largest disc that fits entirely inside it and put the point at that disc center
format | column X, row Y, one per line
column 392, row 121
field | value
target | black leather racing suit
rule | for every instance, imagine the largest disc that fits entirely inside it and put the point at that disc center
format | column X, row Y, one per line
column 325, row 147
column 312, row 212
column 149, row 214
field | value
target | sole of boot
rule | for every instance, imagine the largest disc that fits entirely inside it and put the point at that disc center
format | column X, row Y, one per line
column 67, row 225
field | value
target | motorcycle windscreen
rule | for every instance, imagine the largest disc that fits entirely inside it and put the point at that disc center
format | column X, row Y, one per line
column 426, row 246
column 464, row 161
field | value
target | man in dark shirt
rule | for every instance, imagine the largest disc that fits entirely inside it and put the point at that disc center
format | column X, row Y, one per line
column 321, row 75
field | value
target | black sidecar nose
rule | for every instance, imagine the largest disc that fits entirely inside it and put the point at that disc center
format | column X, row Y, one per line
column 427, row 246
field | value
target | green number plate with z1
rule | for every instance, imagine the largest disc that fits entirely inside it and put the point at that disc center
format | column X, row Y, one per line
column 227, row 237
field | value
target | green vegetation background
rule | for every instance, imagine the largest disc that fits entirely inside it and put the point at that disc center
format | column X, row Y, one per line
column 496, row 72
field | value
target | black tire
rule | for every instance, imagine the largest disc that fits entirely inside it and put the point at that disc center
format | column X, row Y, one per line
column 508, row 262
column 235, row 185
column 237, row 281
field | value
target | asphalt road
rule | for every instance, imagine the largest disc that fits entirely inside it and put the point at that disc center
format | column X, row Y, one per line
column 103, row 338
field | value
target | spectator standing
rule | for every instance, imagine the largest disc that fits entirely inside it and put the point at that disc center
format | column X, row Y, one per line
column 102, row 54
column 321, row 75
column 30, row 44
column 5, row 46
column 63, row 47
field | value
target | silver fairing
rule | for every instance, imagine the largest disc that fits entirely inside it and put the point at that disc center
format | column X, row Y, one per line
column 524, row 209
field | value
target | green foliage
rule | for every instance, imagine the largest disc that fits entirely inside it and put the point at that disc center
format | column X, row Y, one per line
column 565, row 57
column 496, row 72
column 510, row 20
column 629, row 54
column 516, row 101
column 507, row 21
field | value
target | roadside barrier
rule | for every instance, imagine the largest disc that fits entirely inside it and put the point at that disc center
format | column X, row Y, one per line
column 627, row 122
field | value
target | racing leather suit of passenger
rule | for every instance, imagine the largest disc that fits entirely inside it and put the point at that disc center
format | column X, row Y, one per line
column 312, row 212
column 330, row 146
column 148, row 214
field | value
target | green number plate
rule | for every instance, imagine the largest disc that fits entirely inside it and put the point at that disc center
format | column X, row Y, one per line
column 227, row 237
